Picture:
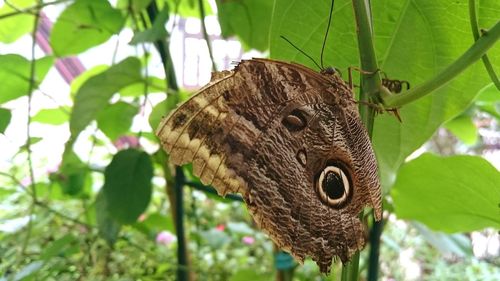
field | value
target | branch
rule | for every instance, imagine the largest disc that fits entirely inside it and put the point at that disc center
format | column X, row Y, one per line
column 205, row 34
column 474, row 53
column 475, row 32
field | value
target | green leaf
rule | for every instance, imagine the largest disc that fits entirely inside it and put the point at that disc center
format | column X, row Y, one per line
column 156, row 32
column 450, row 194
column 108, row 227
column 116, row 119
column 414, row 40
column 15, row 75
column 5, row 117
column 155, row 85
column 13, row 27
column 127, row 185
column 94, row 94
column 72, row 175
column 488, row 95
column 83, row 77
column 58, row 247
column 463, row 128
column 53, row 116
column 488, row 100
column 248, row 19
column 84, row 24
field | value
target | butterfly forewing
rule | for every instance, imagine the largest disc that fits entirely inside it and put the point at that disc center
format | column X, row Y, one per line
column 268, row 129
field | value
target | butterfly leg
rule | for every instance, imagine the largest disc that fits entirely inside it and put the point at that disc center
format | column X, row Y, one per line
column 351, row 68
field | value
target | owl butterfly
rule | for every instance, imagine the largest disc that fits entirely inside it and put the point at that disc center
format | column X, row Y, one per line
column 291, row 141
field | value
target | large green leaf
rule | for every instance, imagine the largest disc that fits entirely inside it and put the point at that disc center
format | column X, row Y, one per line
column 450, row 194
column 248, row 19
column 116, row 119
column 15, row 75
column 414, row 40
column 84, row 24
column 94, row 94
column 84, row 76
column 127, row 185
column 5, row 116
column 13, row 27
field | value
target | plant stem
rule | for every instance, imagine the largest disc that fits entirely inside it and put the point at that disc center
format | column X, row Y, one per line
column 474, row 53
column 211, row 190
column 475, row 32
column 31, row 88
column 370, row 83
column 205, row 34
column 370, row 88
column 30, row 10
column 182, row 273
column 373, row 259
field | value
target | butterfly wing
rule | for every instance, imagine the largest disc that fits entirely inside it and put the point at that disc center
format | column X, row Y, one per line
column 275, row 132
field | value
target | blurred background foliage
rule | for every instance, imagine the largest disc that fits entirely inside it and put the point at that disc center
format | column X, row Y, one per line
column 87, row 194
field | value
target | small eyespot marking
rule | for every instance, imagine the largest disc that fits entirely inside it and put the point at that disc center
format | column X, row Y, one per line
column 295, row 121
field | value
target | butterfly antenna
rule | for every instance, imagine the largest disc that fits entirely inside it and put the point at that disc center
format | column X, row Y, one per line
column 304, row 53
column 326, row 33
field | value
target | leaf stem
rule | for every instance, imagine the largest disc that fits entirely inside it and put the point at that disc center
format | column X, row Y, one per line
column 475, row 32
column 29, row 10
column 31, row 88
column 205, row 34
column 474, row 53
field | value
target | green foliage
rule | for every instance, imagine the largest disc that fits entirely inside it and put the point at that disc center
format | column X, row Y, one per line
column 464, row 128
column 127, row 185
column 16, row 26
column 5, row 116
column 156, row 32
column 84, row 24
column 458, row 193
column 93, row 96
column 400, row 28
column 108, row 117
column 90, row 220
column 15, row 75
column 53, row 116
column 248, row 19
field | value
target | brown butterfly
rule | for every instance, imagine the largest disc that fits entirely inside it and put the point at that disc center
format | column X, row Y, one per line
column 291, row 141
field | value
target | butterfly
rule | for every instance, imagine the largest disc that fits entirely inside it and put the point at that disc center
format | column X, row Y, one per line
column 290, row 140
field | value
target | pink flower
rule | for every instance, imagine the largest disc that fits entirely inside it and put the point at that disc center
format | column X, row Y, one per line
column 125, row 142
column 142, row 217
column 165, row 238
column 249, row 240
column 220, row 227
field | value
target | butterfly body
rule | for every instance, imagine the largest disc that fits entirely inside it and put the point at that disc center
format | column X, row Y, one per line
column 291, row 141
